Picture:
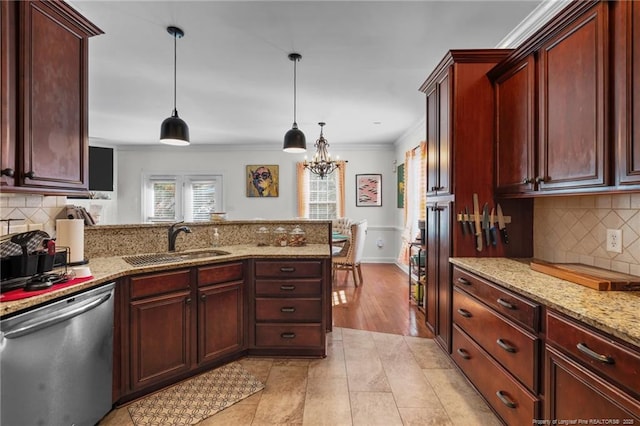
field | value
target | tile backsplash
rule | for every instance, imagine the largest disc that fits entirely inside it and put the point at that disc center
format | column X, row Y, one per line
column 30, row 211
column 573, row 230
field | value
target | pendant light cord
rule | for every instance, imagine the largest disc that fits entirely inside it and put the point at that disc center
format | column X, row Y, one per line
column 294, row 89
column 175, row 68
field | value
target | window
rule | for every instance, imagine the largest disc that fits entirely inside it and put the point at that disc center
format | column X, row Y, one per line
column 170, row 198
column 321, row 198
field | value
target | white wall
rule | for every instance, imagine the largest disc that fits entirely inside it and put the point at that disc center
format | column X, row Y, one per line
column 231, row 162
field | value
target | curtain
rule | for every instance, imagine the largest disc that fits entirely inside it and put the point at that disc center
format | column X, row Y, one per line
column 415, row 199
column 303, row 190
column 340, row 187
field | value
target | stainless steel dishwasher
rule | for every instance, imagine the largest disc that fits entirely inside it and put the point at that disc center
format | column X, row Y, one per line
column 56, row 361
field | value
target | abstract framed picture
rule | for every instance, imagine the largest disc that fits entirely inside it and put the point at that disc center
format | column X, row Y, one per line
column 400, row 187
column 369, row 190
column 262, row 180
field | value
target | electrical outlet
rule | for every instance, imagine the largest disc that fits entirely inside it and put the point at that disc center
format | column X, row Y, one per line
column 380, row 243
column 614, row 240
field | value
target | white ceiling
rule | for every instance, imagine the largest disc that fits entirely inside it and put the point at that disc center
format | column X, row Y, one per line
column 362, row 63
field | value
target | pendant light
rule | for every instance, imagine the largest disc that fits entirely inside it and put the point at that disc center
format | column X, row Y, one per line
column 294, row 140
column 174, row 131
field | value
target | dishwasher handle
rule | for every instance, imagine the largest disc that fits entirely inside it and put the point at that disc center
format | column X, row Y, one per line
column 37, row 324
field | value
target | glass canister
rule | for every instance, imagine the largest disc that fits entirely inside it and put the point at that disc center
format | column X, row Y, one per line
column 262, row 236
column 297, row 237
column 280, row 237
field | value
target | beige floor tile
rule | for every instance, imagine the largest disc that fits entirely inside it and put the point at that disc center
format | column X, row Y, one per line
column 282, row 400
column 327, row 402
column 427, row 353
column 257, row 367
column 432, row 416
column 365, row 371
column 117, row 417
column 374, row 408
column 333, row 365
column 461, row 402
column 335, row 334
column 237, row 415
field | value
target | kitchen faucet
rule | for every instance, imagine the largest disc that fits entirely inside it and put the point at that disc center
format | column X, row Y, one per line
column 173, row 233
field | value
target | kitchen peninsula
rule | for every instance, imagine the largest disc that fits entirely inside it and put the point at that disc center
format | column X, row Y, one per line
column 204, row 311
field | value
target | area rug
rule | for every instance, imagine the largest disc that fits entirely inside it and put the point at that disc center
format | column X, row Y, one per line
column 195, row 399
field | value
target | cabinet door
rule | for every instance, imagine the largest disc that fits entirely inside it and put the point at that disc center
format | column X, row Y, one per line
column 8, row 69
column 572, row 96
column 160, row 338
column 515, row 122
column 220, row 321
column 573, row 392
column 627, row 90
column 53, row 69
column 438, row 273
column 438, row 137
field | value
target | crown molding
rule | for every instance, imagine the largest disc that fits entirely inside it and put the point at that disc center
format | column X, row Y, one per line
column 532, row 23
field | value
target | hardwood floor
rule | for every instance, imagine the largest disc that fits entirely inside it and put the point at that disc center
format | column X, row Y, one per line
column 380, row 304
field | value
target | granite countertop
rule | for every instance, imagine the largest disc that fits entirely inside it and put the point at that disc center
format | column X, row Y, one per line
column 107, row 269
column 614, row 312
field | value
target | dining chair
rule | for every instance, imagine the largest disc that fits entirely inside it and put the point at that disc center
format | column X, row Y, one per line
column 341, row 226
column 352, row 259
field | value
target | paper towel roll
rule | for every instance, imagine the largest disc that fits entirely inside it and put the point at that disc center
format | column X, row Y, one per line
column 70, row 233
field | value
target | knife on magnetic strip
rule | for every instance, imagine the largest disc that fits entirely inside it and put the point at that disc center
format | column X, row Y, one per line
column 476, row 218
column 502, row 226
column 485, row 224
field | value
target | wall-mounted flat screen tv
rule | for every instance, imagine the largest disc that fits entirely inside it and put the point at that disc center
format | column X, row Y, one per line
column 100, row 169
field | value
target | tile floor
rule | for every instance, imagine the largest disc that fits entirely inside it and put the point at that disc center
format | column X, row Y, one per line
column 367, row 378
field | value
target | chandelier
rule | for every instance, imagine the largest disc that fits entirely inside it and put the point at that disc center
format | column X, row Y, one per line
column 321, row 163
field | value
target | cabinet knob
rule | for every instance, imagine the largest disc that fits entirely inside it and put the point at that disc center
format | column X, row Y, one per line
column 187, row 300
column 527, row 180
column 203, row 297
column 541, row 179
column 8, row 172
column 30, row 175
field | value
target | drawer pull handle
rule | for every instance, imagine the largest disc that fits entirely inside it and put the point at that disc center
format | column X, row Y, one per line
column 464, row 281
column 506, row 304
column 591, row 354
column 464, row 354
column 506, row 346
column 287, row 309
column 464, row 313
column 288, row 335
column 505, row 400
column 287, row 287
column 287, row 269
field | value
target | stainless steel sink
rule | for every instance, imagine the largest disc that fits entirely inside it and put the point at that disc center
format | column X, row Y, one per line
column 173, row 257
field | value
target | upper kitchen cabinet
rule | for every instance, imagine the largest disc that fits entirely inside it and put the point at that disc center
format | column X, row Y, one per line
column 438, row 140
column 626, row 87
column 551, row 115
column 44, row 119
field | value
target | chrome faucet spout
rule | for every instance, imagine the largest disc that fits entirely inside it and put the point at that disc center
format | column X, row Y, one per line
column 173, row 234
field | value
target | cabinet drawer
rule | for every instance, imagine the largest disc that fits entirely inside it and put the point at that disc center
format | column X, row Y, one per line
column 166, row 282
column 219, row 274
column 509, row 398
column 289, row 310
column 288, row 269
column 294, row 288
column 514, row 348
column 288, row 335
column 602, row 354
column 507, row 303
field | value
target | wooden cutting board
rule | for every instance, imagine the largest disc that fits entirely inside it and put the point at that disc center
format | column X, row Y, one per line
column 588, row 276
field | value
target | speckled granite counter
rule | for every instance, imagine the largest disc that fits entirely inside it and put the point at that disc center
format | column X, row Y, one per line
column 614, row 312
column 106, row 269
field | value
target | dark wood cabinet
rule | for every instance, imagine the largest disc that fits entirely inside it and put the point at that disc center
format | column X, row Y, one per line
column 161, row 327
column 438, row 303
column 589, row 374
column 626, row 86
column 44, row 119
column 288, row 307
column 515, row 130
column 221, row 311
column 573, row 126
column 438, row 131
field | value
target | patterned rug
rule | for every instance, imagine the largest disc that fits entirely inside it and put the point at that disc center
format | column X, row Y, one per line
column 196, row 399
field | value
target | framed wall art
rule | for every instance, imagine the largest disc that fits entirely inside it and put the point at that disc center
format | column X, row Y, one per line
column 400, row 186
column 369, row 190
column 262, row 180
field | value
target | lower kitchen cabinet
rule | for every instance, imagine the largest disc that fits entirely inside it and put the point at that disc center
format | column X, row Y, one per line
column 161, row 324
column 289, row 307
